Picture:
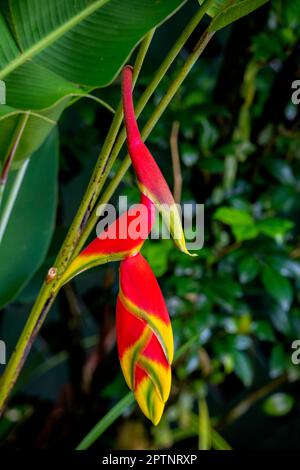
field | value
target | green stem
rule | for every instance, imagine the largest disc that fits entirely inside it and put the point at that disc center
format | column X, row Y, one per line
column 50, row 288
column 204, row 426
column 159, row 110
column 106, row 421
column 12, row 198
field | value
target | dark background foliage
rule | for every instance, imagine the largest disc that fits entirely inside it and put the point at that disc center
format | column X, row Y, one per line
column 239, row 141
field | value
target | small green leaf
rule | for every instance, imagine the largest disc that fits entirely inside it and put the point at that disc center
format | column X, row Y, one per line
column 278, row 404
column 278, row 361
column 248, row 269
column 243, row 368
column 157, row 255
column 281, row 170
column 278, row 287
column 189, row 154
column 233, row 217
column 264, row 331
column 275, row 228
column 245, row 232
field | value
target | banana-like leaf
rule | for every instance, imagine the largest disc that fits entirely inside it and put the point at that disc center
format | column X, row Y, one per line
column 31, row 223
column 51, row 50
column 144, row 336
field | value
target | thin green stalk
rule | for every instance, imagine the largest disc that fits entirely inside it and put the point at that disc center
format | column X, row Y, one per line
column 106, row 421
column 11, row 199
column 159, row 110
column 218, row 442
column 51, row 285
column 204, row 426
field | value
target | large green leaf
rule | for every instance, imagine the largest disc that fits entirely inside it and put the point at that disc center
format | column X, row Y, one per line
column 31, row 223
column 37, row 128
column 51, row 50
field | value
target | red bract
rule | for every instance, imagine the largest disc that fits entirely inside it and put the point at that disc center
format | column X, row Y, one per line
column 150, row 179
column 122, row 238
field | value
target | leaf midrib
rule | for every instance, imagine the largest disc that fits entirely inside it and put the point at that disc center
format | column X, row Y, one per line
column 51, row 38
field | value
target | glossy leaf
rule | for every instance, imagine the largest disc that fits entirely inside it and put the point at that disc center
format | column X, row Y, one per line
column 232, row 216
column 278, row 404
column 278, row 287
column 243, row 368
column 31, row 223
column 248, row 269
column 72, row 48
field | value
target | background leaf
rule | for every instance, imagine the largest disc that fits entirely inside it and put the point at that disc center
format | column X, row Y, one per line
column 278, row 287
column 31, row 223
column 278, row 404
column 234, row 12
column 97, row 38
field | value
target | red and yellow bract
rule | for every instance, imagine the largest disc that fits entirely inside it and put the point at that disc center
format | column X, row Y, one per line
column 144, row 336
column 121, row 239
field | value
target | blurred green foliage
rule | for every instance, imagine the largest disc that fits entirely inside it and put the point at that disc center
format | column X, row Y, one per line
column 239, row 141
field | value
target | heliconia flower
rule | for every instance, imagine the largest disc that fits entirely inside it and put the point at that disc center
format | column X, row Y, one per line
column 123, row 238
column 144, row 332
column 150, row 179
column 144, row 336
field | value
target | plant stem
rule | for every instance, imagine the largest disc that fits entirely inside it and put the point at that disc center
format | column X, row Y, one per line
column 204, row 426
column 106, row 421
column 49, row 290
column 159, row 110
column 12, row 198
column 177, row 176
